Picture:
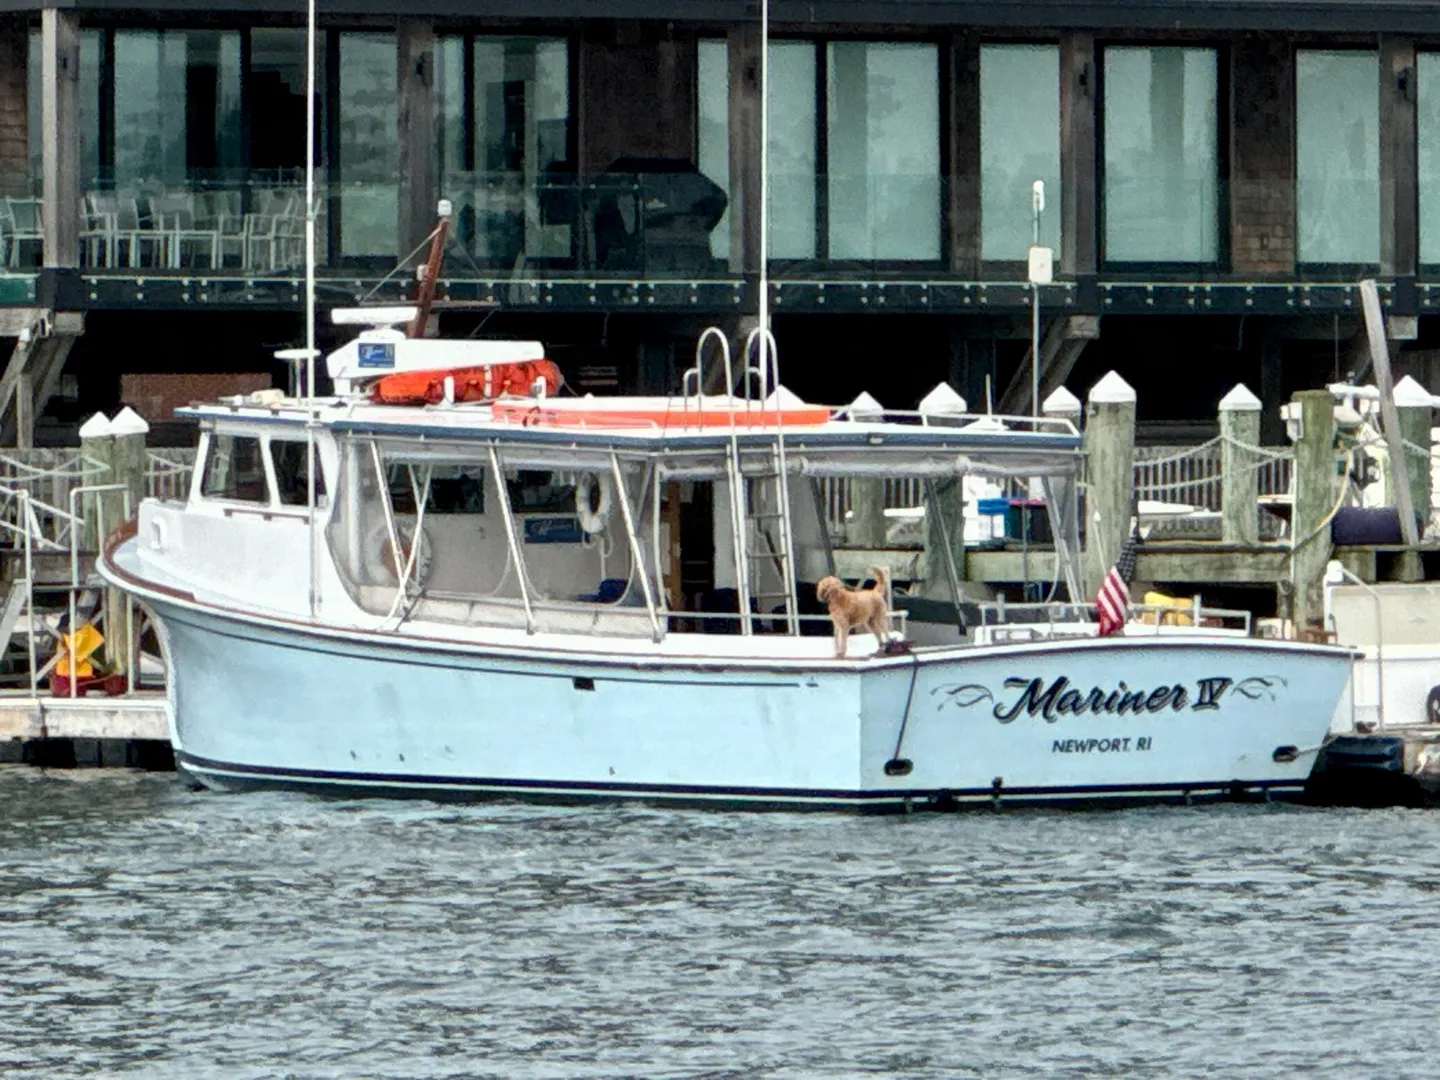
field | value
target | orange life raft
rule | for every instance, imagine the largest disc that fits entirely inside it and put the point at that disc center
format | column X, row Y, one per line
column 485, row 383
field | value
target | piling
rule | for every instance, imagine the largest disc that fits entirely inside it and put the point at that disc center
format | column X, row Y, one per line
column 1239, row 480
column 866, row 527
column 1110, row 474
column 1413, row 406
column 97, row 446
column 1315, row 490
column 945, row 506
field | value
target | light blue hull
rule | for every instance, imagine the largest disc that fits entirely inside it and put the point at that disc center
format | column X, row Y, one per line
column 1081, row 721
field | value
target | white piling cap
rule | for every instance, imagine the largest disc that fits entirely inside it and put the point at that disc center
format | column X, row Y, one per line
column 865, row 407
column 942, row 401
column 1112, row 390
column 1061, row 403
column 783, row 398
column 1240, row 399
column 1410, row 394
column 97, row 427
column 128, row 422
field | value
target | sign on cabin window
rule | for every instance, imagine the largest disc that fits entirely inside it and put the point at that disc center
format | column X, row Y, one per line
column 291, row 460
column 235, row 470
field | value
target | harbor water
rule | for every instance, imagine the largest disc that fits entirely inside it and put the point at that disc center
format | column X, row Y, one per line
column 152, row 931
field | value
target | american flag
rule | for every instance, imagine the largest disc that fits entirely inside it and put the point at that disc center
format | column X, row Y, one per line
column 1112, row 602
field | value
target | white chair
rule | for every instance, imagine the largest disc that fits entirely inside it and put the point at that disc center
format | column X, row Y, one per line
column 176, row 218
column 25, row 226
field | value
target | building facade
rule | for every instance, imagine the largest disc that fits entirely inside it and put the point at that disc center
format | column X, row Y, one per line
column 1218, row 178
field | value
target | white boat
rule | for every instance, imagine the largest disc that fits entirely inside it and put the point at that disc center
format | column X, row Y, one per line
column 568, row 626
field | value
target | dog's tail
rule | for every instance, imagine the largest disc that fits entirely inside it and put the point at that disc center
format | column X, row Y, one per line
column 882, row 579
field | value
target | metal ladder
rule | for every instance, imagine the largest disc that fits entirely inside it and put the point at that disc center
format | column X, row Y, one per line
column 753, row 513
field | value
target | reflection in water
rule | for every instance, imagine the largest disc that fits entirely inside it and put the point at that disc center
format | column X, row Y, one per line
column 151, row 931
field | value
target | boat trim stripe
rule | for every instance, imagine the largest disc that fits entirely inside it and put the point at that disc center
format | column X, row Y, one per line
column 737, row 793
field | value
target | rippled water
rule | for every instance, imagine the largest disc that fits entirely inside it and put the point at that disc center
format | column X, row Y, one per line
column 149, row 931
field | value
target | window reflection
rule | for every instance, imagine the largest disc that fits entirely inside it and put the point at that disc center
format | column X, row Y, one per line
column 176, row 105
column 1161, row 155
column 87, row 107
column 884, row 150
column 504, row 138
column 1019, row 144
column 369, row 156
column 1337, row 156
column 1428, row 119
column 713, row 136
column 792, row 152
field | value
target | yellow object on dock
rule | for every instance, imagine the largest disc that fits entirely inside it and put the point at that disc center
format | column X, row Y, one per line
column 80, row 645
column 1181, row 610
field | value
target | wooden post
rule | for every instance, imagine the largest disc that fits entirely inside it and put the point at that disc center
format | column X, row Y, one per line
column 1239, row 481
column 97, row 444
column 1078, row 199
column 1315, row 483
column 744, row 55
column 867, row 513
column 128, row 458
column 415, row 118
column 1110, row 474
column 1413, row 406
column 60, row 136
column 1062, row 405
column 944, row 506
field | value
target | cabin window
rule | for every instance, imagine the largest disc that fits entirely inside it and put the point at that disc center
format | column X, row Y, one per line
column 235, row 470
column 291, row 458
column 536, row 491
column 454, row 489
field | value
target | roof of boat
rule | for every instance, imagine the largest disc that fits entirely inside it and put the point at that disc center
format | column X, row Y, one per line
column 650, row 423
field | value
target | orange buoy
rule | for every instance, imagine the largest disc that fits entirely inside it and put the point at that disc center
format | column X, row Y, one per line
column 484, row 383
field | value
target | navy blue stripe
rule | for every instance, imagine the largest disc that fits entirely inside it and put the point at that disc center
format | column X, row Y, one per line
column 624, row 789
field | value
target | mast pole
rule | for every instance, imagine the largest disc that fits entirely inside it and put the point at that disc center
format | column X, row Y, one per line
column 762, row 306
column 310, row 354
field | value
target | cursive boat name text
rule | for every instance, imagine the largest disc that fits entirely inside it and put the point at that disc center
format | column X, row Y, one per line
column 1055, row 698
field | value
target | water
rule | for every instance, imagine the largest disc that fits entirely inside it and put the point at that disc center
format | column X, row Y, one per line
column 148, row 931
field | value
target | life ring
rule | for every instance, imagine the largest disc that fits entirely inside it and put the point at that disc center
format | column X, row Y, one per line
column 381, row 559
column 594, row 499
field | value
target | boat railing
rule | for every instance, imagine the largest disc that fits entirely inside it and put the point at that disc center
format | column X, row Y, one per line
column 1034, row 425
column 1042, row 619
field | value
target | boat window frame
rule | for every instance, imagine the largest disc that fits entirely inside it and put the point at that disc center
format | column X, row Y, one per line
column 206, row 454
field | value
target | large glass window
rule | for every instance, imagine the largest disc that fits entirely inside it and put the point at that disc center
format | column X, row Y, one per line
column 878, row 164
column 369, row 156
column 276, row 86
column 1337, row 156
column 1161, row 150
column 176, row 105
column 712, row 136
column 884, row 150
column 87, row 106
column 235, row 470
column 504, row 138
column 792, row 150
column 1428, row 77
column 1019, row 144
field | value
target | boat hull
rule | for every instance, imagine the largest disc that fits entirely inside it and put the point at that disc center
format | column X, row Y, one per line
column 257, row 702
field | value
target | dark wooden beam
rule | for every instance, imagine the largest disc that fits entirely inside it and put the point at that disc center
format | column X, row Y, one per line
column 1079, row 81
column 415, row 116
column 1399, row 180
column 1064, row 340
column 60, row 135
column 963, row 167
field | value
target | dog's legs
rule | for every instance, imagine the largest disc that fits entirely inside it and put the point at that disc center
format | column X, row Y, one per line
column 842, row 640
column 880, row 627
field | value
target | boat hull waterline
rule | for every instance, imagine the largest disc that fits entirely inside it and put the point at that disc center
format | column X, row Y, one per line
column 257, row 702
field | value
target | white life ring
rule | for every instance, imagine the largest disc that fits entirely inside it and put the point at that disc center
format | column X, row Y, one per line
column 594, row 499
column 381, row 559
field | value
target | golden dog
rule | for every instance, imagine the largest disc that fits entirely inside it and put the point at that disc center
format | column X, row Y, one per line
column 850, row 608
